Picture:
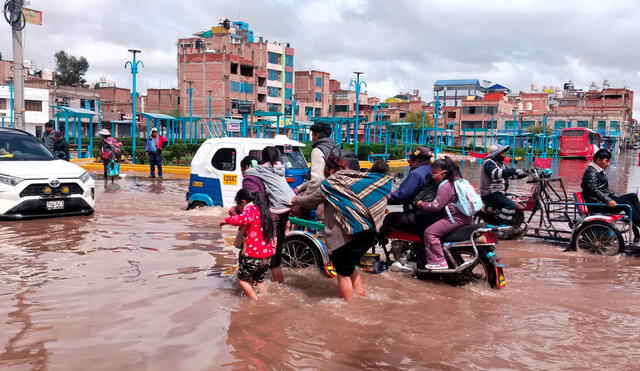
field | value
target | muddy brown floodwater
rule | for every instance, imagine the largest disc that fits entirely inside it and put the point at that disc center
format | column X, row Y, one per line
column 140, row 285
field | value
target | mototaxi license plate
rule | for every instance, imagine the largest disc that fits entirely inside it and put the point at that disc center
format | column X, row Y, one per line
column 55, row 205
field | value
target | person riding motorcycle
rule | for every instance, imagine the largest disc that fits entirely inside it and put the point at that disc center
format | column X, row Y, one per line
column 409, row 220
column 494, row 182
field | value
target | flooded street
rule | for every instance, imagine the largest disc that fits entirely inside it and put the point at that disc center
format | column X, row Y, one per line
column 141, row 285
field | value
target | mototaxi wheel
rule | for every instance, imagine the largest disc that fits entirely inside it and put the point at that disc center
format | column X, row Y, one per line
column 300, row 252
column 600, row 238
column 196, row 205
column 482, row 271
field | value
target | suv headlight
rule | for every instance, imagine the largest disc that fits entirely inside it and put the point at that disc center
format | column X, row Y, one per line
column 84, row 178
column 10, row 180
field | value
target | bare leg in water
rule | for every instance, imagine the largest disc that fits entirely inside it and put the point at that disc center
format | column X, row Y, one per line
column 247, row 287
column 347, row 285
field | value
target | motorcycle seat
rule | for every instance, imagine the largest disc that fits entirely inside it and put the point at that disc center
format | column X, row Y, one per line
column 462, row 233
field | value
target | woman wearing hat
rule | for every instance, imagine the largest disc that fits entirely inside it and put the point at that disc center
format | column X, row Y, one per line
column 109, row 150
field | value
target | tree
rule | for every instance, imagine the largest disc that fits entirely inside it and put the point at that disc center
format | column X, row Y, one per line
column 70, row 70
column 416, row 118
column 537, row 129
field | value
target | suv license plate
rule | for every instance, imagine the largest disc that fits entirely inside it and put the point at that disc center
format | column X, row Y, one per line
column 55, row 205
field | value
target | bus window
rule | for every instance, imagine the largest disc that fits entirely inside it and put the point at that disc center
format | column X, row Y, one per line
column 573, row 133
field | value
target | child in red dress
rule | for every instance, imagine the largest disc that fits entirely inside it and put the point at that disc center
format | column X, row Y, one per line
column 255, row 220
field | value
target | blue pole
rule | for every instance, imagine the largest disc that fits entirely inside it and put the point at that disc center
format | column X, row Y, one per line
column 90, row 150
column 437, row 112
column 210, row 119
column 190, row 91
column 515, row 129
column 134, row 125
column 355, row 129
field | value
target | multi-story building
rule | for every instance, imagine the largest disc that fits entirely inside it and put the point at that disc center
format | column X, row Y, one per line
column 36, row 105
column 227, row 64
column 312, row 94
column 165, row 101
column 453, row 92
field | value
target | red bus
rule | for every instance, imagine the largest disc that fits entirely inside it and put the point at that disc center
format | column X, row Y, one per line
column 579, row 142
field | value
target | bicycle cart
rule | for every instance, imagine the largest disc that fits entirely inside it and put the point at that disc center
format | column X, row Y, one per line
column 560, row 217
column 304, row 247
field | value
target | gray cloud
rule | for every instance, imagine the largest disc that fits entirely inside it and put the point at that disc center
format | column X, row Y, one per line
column 400, row 44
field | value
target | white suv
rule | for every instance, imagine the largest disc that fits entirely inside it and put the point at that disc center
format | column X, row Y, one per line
column 35, row 183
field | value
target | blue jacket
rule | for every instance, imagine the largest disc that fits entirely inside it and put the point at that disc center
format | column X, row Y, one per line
column 411, row 186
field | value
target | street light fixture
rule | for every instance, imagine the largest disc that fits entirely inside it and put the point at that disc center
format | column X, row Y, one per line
column 357, row 83
column 133, row 64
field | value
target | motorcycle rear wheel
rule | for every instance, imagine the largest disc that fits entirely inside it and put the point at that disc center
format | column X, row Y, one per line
column 482, row 271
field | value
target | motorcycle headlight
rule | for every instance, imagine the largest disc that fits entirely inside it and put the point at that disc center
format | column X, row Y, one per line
column 84, row 178
column 10, row 180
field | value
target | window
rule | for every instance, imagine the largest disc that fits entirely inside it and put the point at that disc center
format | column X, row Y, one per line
column 288, row 77
column 341, row 108
column 274, row 58
column 273, row 75
column 288, row 94
column 262, row 81
column 318, row 81
column 235, row 103
column 527, row 124
column 288, row 60
column 273, row 92
column 234, row 68
column 583, row 124
column 33, row 105
column 294, row 159
column 287, row 110
column 318, row 97
column 602, row 125
column 472, row 110
column 23, row 148
column 614, row 125
column 490, row 110
column 3, row 103
column 246, row 71
column 573, row 133
column 271, row 107
column 224, row 159
column 559, row 124
column 451, row 115
column 510, row 125
column 308, row 111
column 241, row 87
column 317, row 112
column 472, row 124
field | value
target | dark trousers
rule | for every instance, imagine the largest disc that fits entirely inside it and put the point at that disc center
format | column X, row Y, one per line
column 506, row 206
column 155, row 159
column 410, row 222
column 630, row 199
column 279, row 231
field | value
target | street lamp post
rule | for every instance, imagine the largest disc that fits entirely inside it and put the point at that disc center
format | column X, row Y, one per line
column 357, row 83
column 436, row 111
column 133, row 64
column 190, row 92
column 210, row 116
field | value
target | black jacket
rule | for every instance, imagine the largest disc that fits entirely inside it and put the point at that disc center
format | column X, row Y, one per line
column 61, row 149
column 595, row 186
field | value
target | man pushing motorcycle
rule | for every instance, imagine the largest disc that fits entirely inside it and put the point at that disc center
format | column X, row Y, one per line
column 494, row 183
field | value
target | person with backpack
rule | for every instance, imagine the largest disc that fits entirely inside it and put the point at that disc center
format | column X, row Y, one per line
column 109, row 152
column 456, row 209
column 155, row 144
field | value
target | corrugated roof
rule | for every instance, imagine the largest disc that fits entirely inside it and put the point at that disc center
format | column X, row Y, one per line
column 157, row 116
column 457, row 82
column 76, row 111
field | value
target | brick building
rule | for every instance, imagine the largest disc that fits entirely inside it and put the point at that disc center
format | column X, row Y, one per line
column 313, row 94
column 229, row 65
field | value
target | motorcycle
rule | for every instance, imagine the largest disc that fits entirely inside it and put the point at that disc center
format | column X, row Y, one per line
column 469, row 251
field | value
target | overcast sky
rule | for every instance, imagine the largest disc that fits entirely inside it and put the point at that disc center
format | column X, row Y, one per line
column 401, row 45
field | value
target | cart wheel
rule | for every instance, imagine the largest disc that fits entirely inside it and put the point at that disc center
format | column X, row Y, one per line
column 600, row 238
column 300, row 252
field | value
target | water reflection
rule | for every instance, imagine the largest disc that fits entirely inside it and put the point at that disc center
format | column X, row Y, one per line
column 145, row 284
